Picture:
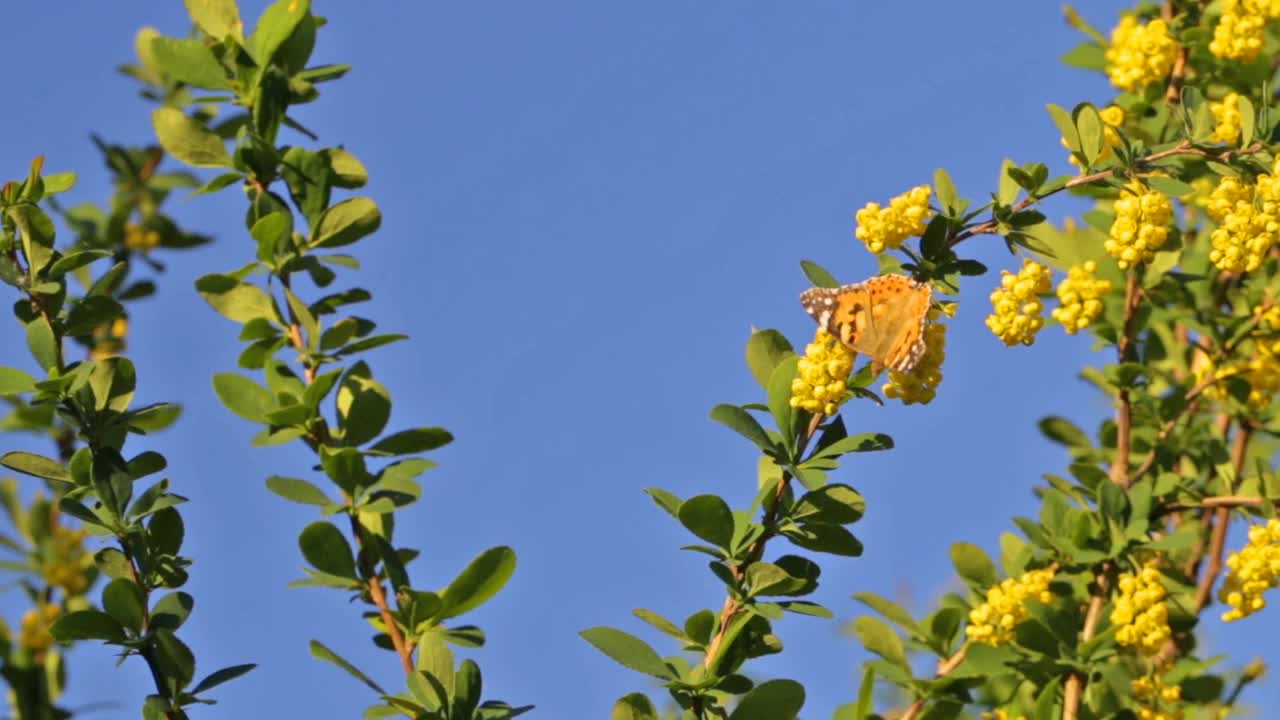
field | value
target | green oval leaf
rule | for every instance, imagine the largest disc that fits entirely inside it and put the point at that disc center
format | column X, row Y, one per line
column 771, row 700
column 189, row 140
column 765, row 349
column 478, row 582
column 628, row 651
column 708, row 517
column 327, row 549
column 87, row 625
column 972, row 564
column 346, row 223
column 243, row 396
column 123, row 601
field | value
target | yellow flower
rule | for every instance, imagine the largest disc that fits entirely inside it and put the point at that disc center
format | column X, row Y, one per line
column 1227, row 116
column 1155, row 696
column 65, row 561
column 34, row 633
column 1140, row 54
column 109, row 340
column 1016, row 304
column 999, row 714
column 1080, row 297
column 139, row 238
column 1141, row 225
column 993, row 621
column 1140, row 615
column 1248, row 216
column 1251, row 571
column 1112, row 118
column 821, row 382
column 888, row 227
column 1203, row 188
column 921, row 384
column 1238, row 34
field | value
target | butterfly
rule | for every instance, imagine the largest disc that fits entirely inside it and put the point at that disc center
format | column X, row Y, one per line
column 881, row 317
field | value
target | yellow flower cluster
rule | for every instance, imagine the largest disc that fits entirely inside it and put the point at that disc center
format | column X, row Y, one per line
column 1141, row 225
column 1239, row 32
column 1140, row 54
column 999, row 714
column 66, row 563
column 1152, row 695
column 1248, row 216
column 821, row 382
column 1226, row 114
column 888, row 227
column 1112, row 118
column 1140, row 615
column 34, row 633
column 993, row 621
column 1252, row 571
column 921, row 384
column 1261, row 371
column 139, row 238
column 1017, row 305
column 108, row 340
column 1080, row 297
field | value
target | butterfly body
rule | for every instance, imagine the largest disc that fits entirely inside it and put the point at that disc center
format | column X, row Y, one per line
column 882, row 317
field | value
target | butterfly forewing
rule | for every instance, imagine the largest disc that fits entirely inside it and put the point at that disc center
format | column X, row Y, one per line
column 882, row 317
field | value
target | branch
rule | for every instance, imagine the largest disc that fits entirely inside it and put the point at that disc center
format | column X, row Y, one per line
column 1124, row 424
column 1184, row 148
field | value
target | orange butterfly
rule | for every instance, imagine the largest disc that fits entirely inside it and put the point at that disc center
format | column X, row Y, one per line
column 882, row 317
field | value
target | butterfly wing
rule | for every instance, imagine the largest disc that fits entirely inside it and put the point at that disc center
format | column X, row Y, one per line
column 882, row 318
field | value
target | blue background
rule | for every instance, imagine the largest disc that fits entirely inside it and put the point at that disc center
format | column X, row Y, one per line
column 587, row 206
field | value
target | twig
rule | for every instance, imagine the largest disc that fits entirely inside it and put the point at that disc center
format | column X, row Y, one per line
column 1124, row 425
column 1073, row 689
column 991, row 226
column 944, row 668
column 732, row 605
column 1173, row 93
column 373, row 584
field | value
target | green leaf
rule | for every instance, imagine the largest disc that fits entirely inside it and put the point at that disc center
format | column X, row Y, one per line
column 1169, row 186
column 235, row 300
column 219, row 19
column 190, row 61
column 1089, row 126
column 635, row 706
column 972, row 564
column 123, row 601
column 318, row 650
column 363, row 406
column 87, row 625
column 838, row 504
column 765, row 349
column 708, row 517
column 771, row 700
column 832, row 539
column 74, row 261
column 740, row 421
column 346, row 223
column 628, row 651
column 154, row 417
column 348, row 171
column 218, row 677
column 407, row 442
column 173, row 657
column 43, row 344
column 1066, row 126
column 272, row 232
column 768, row 579
column 478, row 582
column 779, row 390
column 298, row 490
column 172, row 610
column 818, row 275
column 14, row 382
column 880, row 639
column 1064, row 432
column 1248, row 118
column 945, row 190
column 659, row 622
column 890, row 610
column 327, row 549
column 1007, row 191
column 189, row 140
column 243, row 396
column 275, row 25
column 35, row 466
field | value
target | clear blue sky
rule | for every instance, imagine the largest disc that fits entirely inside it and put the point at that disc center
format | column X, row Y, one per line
column 587, row 205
